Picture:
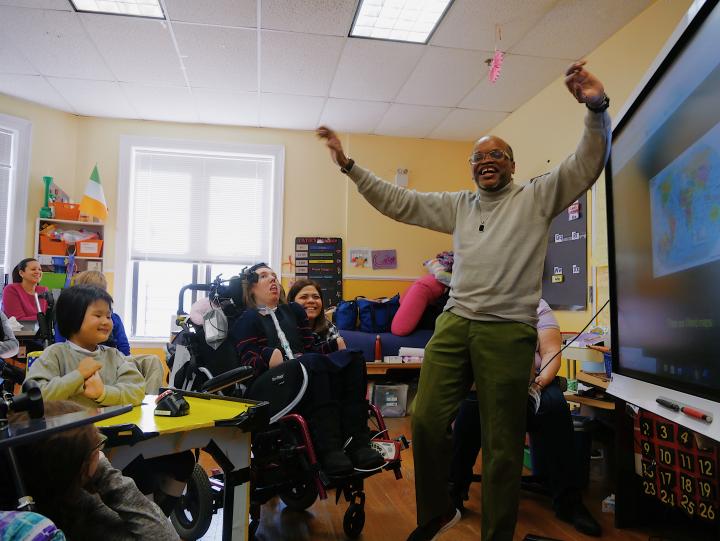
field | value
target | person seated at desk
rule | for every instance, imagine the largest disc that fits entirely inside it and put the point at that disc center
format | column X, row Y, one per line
column 82, row 369
column 86, row 372
column 20, row 299
column 308, row 294
column 269, row 333
column 550, row 428
column 118, row 339
column 9, row 345
column 75, row 486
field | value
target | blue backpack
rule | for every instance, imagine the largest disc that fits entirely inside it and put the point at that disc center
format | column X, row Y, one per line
column 377, row 315
column 346, row 315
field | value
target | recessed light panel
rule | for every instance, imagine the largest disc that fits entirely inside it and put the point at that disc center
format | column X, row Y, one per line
column 134, row 8
column 398, row 20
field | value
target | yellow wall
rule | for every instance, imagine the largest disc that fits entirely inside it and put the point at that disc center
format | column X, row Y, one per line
column 53, row 152
column 82, row 142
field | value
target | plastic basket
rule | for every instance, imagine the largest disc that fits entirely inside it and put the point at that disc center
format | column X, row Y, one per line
column 50, row 246
column 88, row 248
column 66, row 211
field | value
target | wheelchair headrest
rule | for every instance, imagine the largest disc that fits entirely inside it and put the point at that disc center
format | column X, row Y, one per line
column 249, row 274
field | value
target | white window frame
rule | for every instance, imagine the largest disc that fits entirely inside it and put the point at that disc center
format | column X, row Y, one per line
column 128, row 145
column 19, row 181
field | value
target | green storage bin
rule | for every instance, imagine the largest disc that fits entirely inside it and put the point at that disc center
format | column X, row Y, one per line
column 53, row 280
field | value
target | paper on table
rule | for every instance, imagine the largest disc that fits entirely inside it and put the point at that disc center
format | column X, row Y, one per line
column 411, row 352
column 15, row 325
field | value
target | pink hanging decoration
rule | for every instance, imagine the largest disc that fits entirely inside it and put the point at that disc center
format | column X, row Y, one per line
column 495, row 66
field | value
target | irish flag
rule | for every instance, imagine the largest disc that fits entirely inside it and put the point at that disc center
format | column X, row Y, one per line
column 93, row 202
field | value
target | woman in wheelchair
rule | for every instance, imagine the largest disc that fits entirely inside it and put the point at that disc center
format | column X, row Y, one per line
column 308, row 294
column 269, row 334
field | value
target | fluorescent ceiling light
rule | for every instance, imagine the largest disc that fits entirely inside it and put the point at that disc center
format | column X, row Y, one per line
column 134, row 8
column 398, row 20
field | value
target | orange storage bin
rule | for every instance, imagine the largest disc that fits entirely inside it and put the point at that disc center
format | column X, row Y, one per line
column 66, row 211
column 88, row 248
column 49, row 246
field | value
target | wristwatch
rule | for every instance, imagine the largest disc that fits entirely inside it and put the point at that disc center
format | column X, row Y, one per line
column 604, row 104
column 348, row 166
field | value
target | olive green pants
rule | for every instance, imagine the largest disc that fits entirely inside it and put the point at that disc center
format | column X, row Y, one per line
column 497, row 357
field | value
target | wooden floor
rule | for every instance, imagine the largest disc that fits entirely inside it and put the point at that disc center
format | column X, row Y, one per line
column 390, row 512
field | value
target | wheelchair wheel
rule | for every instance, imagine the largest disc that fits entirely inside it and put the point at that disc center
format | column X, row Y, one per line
column 354, row 520
column 193, row 513
column 301, row 496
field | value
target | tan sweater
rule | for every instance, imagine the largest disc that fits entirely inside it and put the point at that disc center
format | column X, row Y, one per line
column 497, row 273
column 55, row 372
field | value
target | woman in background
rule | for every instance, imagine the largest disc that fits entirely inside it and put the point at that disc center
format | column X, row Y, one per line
column 308, row 294
column 20, row 299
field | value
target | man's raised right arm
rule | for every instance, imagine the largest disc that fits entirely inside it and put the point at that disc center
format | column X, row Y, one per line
column 435, row 210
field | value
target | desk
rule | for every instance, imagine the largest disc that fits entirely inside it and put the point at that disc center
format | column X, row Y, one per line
column 382, row 367
column 217, row 424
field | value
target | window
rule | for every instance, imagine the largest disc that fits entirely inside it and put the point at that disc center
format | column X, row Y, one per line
column 14, row 165
column 188, row 212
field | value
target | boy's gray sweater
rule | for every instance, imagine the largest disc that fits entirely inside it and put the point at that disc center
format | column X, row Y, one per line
column 497, row 274
column 56, row 373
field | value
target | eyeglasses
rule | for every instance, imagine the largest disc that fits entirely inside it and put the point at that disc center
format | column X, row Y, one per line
column 495, row 154
column 100, row 445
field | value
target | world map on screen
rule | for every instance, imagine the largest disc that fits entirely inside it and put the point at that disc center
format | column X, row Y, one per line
column 685, row 208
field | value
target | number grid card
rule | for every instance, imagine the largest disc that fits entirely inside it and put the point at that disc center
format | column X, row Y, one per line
column 675, row 469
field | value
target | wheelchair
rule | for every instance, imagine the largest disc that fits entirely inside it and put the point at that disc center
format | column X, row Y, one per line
column 284, row 462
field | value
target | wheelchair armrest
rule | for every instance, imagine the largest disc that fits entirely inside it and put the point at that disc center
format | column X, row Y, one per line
column 231, row 377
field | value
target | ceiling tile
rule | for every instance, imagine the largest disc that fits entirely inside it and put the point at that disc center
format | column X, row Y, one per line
column 33, row 88
column 572, row 29
column 11, row 59
column 298, row 63
column 411, row 120
column 137, row 50
column 330, row 17
column 58, row 5
column 374, row 70
column 225, row 107
column 291, row 112
column 467, row 124
column 353, row 115
column 171, row 103
column 521, row 78
column 220, row 12
column 443, row 77
column 472, row 24
column 94, row 98
column 218, row 57
column 54, row 42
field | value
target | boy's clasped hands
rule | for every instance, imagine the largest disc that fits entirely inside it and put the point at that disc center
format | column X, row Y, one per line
column 93, row 387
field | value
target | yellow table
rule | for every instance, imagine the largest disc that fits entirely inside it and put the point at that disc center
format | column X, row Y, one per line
column 217, row 424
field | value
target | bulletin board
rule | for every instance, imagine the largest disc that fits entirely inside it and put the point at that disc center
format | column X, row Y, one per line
column 565, row 276
column 320, row 259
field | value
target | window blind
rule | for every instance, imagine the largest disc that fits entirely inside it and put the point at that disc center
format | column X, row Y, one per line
column 6, row 169
column 196, row 207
